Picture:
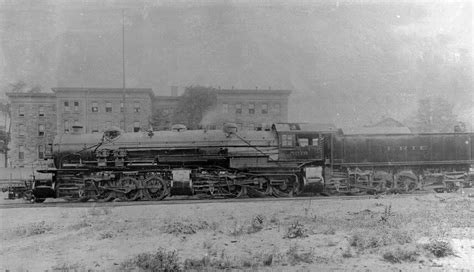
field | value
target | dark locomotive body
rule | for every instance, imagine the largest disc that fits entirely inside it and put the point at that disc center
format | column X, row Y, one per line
column 218, row 163
column 403, row 161
column 288, row 159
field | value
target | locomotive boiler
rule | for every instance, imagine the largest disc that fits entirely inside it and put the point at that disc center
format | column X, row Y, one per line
column 152, row 165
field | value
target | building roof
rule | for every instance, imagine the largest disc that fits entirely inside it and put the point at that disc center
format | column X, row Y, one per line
column 320, row 127
column 113, row 90
column 388, row 122
column 253, row 91
column 377, row 130
column 27, row 94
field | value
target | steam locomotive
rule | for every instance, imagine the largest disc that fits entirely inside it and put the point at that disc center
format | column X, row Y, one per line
column 286, row 160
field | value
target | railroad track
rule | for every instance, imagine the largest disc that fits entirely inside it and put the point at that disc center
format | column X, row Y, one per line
column 189, row 200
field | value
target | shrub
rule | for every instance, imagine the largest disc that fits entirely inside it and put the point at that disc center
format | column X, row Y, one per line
column 296, row 230
column 439, row 248
column 161, row 260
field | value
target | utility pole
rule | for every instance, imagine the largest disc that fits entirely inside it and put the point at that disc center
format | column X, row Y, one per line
column 123, row 72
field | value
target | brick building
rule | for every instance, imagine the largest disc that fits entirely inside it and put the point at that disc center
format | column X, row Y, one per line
column 33, row 127
column 38, row 117
column 251, row 109
column 95, row 109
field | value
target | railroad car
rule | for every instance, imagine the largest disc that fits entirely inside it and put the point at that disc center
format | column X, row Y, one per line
column 404, row 162
column 220, row 163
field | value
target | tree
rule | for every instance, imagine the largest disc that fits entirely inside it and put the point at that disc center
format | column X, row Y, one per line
column 161, row 119
column 17, row 87
column 193, row 105
column 435, row 115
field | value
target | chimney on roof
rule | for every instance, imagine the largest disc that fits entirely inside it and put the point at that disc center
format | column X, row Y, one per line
column 256, row 87
column 174, row 91
column 232, row 87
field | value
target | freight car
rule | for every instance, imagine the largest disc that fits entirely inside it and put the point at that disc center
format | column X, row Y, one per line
column 152, row 165
column 400, row 162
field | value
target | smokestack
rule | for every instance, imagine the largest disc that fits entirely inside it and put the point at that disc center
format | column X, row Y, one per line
column 174, row 91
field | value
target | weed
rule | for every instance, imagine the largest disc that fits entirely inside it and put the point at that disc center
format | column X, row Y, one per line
column 296, row 230
column 67, row 268
column 33, row 229
column 161, row 260
column 80, row 225
column 401, row 254
column 347, row 253
column 386, row 214
column 257, row 224
column 267, row 260
column 106, row 235
column 179, row 228
column 379, row 237
column 439, row 248
column 237, row 229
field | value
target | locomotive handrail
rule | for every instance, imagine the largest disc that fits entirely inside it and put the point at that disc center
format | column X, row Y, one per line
column 254, row 147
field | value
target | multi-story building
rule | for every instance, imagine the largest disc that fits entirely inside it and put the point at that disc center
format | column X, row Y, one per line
column 33, row 127
column 38, row 117
column 251, row 109
column 95, row 109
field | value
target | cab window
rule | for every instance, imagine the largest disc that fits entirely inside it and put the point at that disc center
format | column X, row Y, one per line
column 287, row 140
column 315, row 142
column 303, row 142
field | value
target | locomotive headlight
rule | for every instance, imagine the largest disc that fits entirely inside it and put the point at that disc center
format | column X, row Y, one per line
column 467, row 142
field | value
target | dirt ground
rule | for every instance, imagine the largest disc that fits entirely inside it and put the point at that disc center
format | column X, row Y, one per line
column 385, row 233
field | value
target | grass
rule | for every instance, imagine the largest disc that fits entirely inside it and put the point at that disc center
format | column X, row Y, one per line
column 400, row 254
column 161, row 260
column 295, row 255
column 33, row 229
column 186, row 228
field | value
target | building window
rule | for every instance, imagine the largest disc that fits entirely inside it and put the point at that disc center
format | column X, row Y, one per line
column 122, row 107
column 238, row 108
column 251, row 108
column 21, row 152
column 225, row 108
column 66, row 126
column 40, row 130
column 251, row 126
column 21, row 130
column 95, row 107
column 264, row 108
column 95, row 129
column 108, row 124
column 286, row 140
column 108, row 107
column 76, row 106
column 21, row 110
column 277, row 108
column 136, row 126
column 66, row 106
column 41, row 152
column 40, row 111
column 136, row 107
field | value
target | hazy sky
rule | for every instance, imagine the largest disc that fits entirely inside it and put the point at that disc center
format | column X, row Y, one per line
column 347, row 62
